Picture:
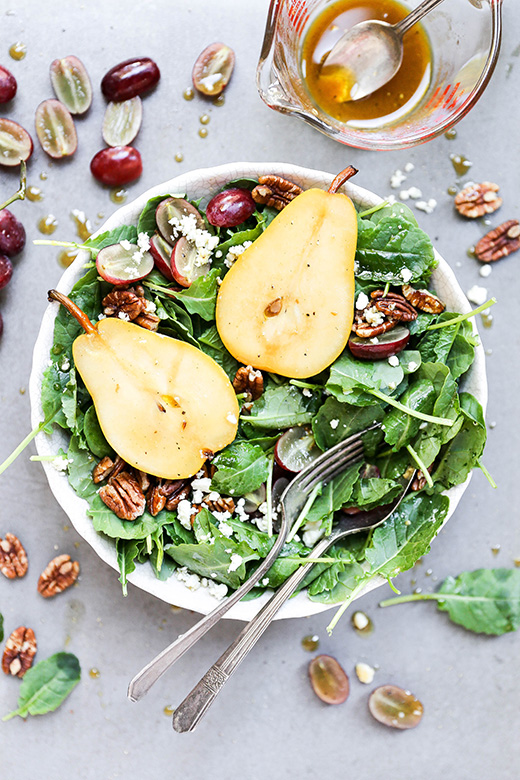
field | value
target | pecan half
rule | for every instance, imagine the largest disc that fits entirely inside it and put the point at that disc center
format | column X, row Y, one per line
column 478, row 199
column 165, row 494
column 249, row 380
column 173, row 502
column 499, row 242
column 423, row 300
column 275, row 192
column 19, row 652
column 123, row 303
column 107, row 468
column 59, row 575
column 220, row 504
column 148, row 320
column 394, row 306
column 13, row 558
column 419, row 481
column 368, row 330
column 123, row 496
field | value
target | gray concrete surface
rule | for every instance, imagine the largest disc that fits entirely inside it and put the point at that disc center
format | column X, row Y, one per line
column 267, row 724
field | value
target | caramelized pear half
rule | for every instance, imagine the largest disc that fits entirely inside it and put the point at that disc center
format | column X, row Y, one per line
column 162, row 404
column 287, row 303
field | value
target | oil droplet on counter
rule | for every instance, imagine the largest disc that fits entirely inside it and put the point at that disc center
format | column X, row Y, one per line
column 516, row 561
column 362, row 623
column 428, row 572
column 188, row 94
column 489, row 352
column 487, row 320
column 452, row 190
column 67, row 257
column 169, row 710
column 219, row 101
column 18, row 50
column 470, row 251
column 22, row 391
column 100, row 215
column 94, row 673
column 179, row 157
column 495, row 549
column 203, row 132
column 83, row 227
column 44, row 176
column 175, row 608
column 461, row 164
column 450, row 134
column 66, row 527
column 417, row 590
column 118, row 195
column 48, row 224
column 311, row 642
column 34, row 194
column 204, row 119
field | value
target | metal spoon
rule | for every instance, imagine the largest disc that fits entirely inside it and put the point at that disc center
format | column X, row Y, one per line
column 369, row 54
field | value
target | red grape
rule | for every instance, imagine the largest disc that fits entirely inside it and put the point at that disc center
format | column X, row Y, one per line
column 8, row 85
column 6, row 270
column 12, row 234
column 213, row 68
column 117, row 165
column 130, row 78
column 230, row 207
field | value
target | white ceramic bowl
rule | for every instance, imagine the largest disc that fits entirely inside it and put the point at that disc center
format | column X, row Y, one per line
column 197, row 184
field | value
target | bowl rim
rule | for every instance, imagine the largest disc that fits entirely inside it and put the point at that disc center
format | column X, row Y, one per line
column 172, row 590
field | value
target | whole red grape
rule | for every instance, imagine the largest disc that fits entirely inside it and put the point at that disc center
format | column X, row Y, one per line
column 12, row 234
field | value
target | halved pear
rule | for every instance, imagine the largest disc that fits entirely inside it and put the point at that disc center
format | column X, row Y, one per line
column 163, row 405
column 287, row 304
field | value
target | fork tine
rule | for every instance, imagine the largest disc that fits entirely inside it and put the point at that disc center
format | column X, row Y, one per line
column 336, row 467
column 325, row 466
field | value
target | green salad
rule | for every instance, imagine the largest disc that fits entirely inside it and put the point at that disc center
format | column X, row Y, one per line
column 213, row 529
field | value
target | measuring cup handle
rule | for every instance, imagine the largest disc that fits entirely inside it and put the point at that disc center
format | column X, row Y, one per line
column 416, row 15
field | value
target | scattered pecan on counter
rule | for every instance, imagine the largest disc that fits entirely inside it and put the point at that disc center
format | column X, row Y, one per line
column 19, row 652
column 275, row 191
column 59, row 575
column 499, row 242
column 478, row 199
column 13, row 558
column 423, row 300
column 248, row 380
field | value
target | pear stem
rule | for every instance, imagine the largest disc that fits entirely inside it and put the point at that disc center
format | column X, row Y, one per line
column 342, row 177
column 71, row 307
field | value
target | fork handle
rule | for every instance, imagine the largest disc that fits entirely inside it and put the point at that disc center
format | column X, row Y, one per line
column 200, row 699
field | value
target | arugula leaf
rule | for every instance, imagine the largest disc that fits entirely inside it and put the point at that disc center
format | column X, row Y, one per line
column 176, row 319
column 211, row 343
column 81, row 463
column 121, row 233
column 240, row 236
column 435, row 345
column 462, row 352
column 387, row 246
column 351, row 420
column 241, row 468
column 212, row 558
column 394, row 210
column 486, row 601
column 375, row 491
column 201, row 296
column 46, row 685
column 463, row 451
column 126, row 550
column 94, row 436
column 348, row 376
column 108, row 523
column 282, row 407
column 334, row 495
column 400, row 428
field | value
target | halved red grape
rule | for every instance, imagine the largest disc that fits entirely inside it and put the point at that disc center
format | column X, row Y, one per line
column 381, row 347
column 6, row 270
column 295, row 449
column 71, row 84
column 130, row 78
column 230, row 207
column 213, row 68
column 8, row 85
column 175, row 208
column 395, row 707
column 329, row 680
column 119, row 265
column 15, row 143
column 183, row 263
column 161, row 252
column 122, row 121
column 55, row 129
column 12, row 234
column 116, row 165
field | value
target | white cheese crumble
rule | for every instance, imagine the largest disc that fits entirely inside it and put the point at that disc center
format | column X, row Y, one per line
column 197, row 496
column 362, row 301
column 201, row 239
column 413, row 192
column 202, row 483
column 373, row 316
column 236, row 561
column 192, row 581
column 184, row 513
column 409, row 167
column 412, row 366
column 306, row 392
column 365, row 673
column 426, row 205
column 393, row 360
column 265, row 582
column 396, row 179
column 217, row 589
column 485, row 270
column 122, row 315
column 60, row 463
column 334, row 424
column 225, row 529
column 477, row 295
column 231, row 418
column 405, row 274
column 312, row 532
column 235, row 252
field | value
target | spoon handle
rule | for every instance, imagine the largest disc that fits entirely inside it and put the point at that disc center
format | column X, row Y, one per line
column 416, row 15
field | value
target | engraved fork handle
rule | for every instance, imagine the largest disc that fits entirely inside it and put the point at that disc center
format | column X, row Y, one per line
column 200, row 699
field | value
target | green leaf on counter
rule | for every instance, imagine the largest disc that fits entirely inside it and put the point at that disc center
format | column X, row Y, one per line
column 46, row 685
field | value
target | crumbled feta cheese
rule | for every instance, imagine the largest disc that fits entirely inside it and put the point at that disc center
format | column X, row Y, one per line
column 485, row 270
column 409, row 167
column 126, row 244
column 261, row 523
column 202, row 483
column 365, row 673
column 405, row 274
column 143, row 242
column 334, row 424
column 391, row 385
column 197, row 496
column 60, row 463
column 235, row 252
column 360, row 620
column 102, row 316
column 184, row 513
column 306, row 392
column 312, row 532
column 477, row 295
column 235, row 563
column 373, row 316
column 393, row 360
column 123, row 316
column 412, row 366
column 192, row 581
column 265, row 582
column 150, row 307
column 217, row 589
column 65, row 366
column 362, row 301
column 426, row 205
column 396, row 179
column 375, row 340
column 225, row 529
column 231, row 418
column 413, row 192
column 202, row 240
column 218, row 254
column 263, row 508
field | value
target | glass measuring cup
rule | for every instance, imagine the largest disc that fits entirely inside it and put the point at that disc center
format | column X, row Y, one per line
column 465, row 41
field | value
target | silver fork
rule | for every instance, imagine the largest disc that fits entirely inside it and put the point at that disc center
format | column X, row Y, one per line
column 198, row 701
column 323, row 469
